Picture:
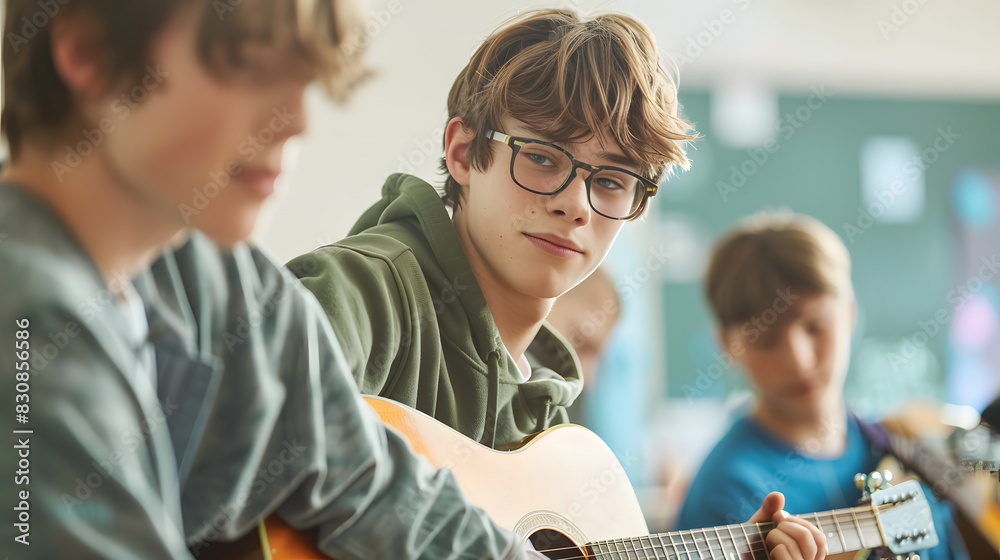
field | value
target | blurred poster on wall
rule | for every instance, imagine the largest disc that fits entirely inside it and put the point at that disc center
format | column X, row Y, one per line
column 974, row 329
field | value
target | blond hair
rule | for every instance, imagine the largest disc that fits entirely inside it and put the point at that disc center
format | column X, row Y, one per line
column 769, row 253
column 567, row 77
column 314, row 38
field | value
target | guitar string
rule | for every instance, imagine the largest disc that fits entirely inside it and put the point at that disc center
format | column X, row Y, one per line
column 866, row 515
column 752, row 547
column 672, row 544
column 831, row 517
column 599, row 555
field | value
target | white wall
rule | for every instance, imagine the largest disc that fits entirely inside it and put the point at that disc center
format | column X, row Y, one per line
column 942, row 49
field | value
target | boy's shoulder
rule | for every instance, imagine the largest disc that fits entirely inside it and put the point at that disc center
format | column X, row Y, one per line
column 379, row 250
column 52, row 290
column 385, row 241
column 201, row 265
column 41, row 264
column 409, row 217
column 744, row 440
column 201, row 291
column 407, row 230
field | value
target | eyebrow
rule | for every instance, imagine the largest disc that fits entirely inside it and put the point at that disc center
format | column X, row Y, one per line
column 611, row 157
column 618, row 159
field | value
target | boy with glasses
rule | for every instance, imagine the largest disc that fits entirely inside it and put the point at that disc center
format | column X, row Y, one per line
column 560, row 130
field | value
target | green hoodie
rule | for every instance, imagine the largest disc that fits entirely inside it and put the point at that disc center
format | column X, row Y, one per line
column 415, row 327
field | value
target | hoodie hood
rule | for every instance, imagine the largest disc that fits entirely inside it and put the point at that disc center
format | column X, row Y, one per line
column 412, row 212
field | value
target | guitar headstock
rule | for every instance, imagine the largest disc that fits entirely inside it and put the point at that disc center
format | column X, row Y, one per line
column 904, row 518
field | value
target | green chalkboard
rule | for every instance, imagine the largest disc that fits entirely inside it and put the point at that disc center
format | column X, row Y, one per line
column 902, row 272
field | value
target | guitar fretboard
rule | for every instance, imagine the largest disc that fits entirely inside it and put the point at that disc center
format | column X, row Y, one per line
column 845, row 529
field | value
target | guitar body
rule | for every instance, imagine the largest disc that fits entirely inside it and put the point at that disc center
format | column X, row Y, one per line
column 590, row 500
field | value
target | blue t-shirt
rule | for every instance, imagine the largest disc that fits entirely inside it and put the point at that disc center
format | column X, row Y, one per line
column 749, row 462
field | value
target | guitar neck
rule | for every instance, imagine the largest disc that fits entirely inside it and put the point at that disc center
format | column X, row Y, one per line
column 846, row 530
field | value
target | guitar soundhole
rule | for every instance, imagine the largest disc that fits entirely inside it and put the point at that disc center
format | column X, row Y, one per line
column 555, row 545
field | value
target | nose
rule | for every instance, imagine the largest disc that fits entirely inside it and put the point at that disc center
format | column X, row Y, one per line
column 572, row 201
column 801, row 351
column 287, row 115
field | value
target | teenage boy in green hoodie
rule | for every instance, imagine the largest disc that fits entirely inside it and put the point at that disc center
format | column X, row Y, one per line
column 161, row 409
column 560, row 129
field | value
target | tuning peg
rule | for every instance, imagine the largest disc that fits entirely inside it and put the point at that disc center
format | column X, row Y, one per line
column 875, row 481
column 887, row 475
column 860, row 480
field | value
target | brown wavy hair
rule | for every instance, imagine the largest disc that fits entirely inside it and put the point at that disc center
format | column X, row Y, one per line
column 770, row 252
column 567, row 78
column 323, row 38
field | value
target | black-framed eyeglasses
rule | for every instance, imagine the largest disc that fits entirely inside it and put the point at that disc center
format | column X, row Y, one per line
column 544, row 168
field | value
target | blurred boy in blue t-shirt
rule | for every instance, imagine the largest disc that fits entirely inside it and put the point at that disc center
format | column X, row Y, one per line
column 779, row 285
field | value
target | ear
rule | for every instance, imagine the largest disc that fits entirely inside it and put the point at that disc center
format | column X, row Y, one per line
column 731, row 343
column 79, row 53
column 457, row 143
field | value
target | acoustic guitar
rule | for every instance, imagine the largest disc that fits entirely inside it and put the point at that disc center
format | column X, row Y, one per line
column 587, row 508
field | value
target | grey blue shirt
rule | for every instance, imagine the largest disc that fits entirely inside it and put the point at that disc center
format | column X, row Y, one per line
column 247, row 409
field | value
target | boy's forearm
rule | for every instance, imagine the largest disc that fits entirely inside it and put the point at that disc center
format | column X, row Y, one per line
column 417, row 511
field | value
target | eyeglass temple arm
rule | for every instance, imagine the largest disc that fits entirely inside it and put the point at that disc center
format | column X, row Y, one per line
column 499, row 137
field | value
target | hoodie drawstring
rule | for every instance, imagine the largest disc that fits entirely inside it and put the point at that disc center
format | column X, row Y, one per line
column 543, row 422
column 493, row 400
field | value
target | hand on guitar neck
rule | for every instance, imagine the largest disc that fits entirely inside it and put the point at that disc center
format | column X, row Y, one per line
column 792, row 538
